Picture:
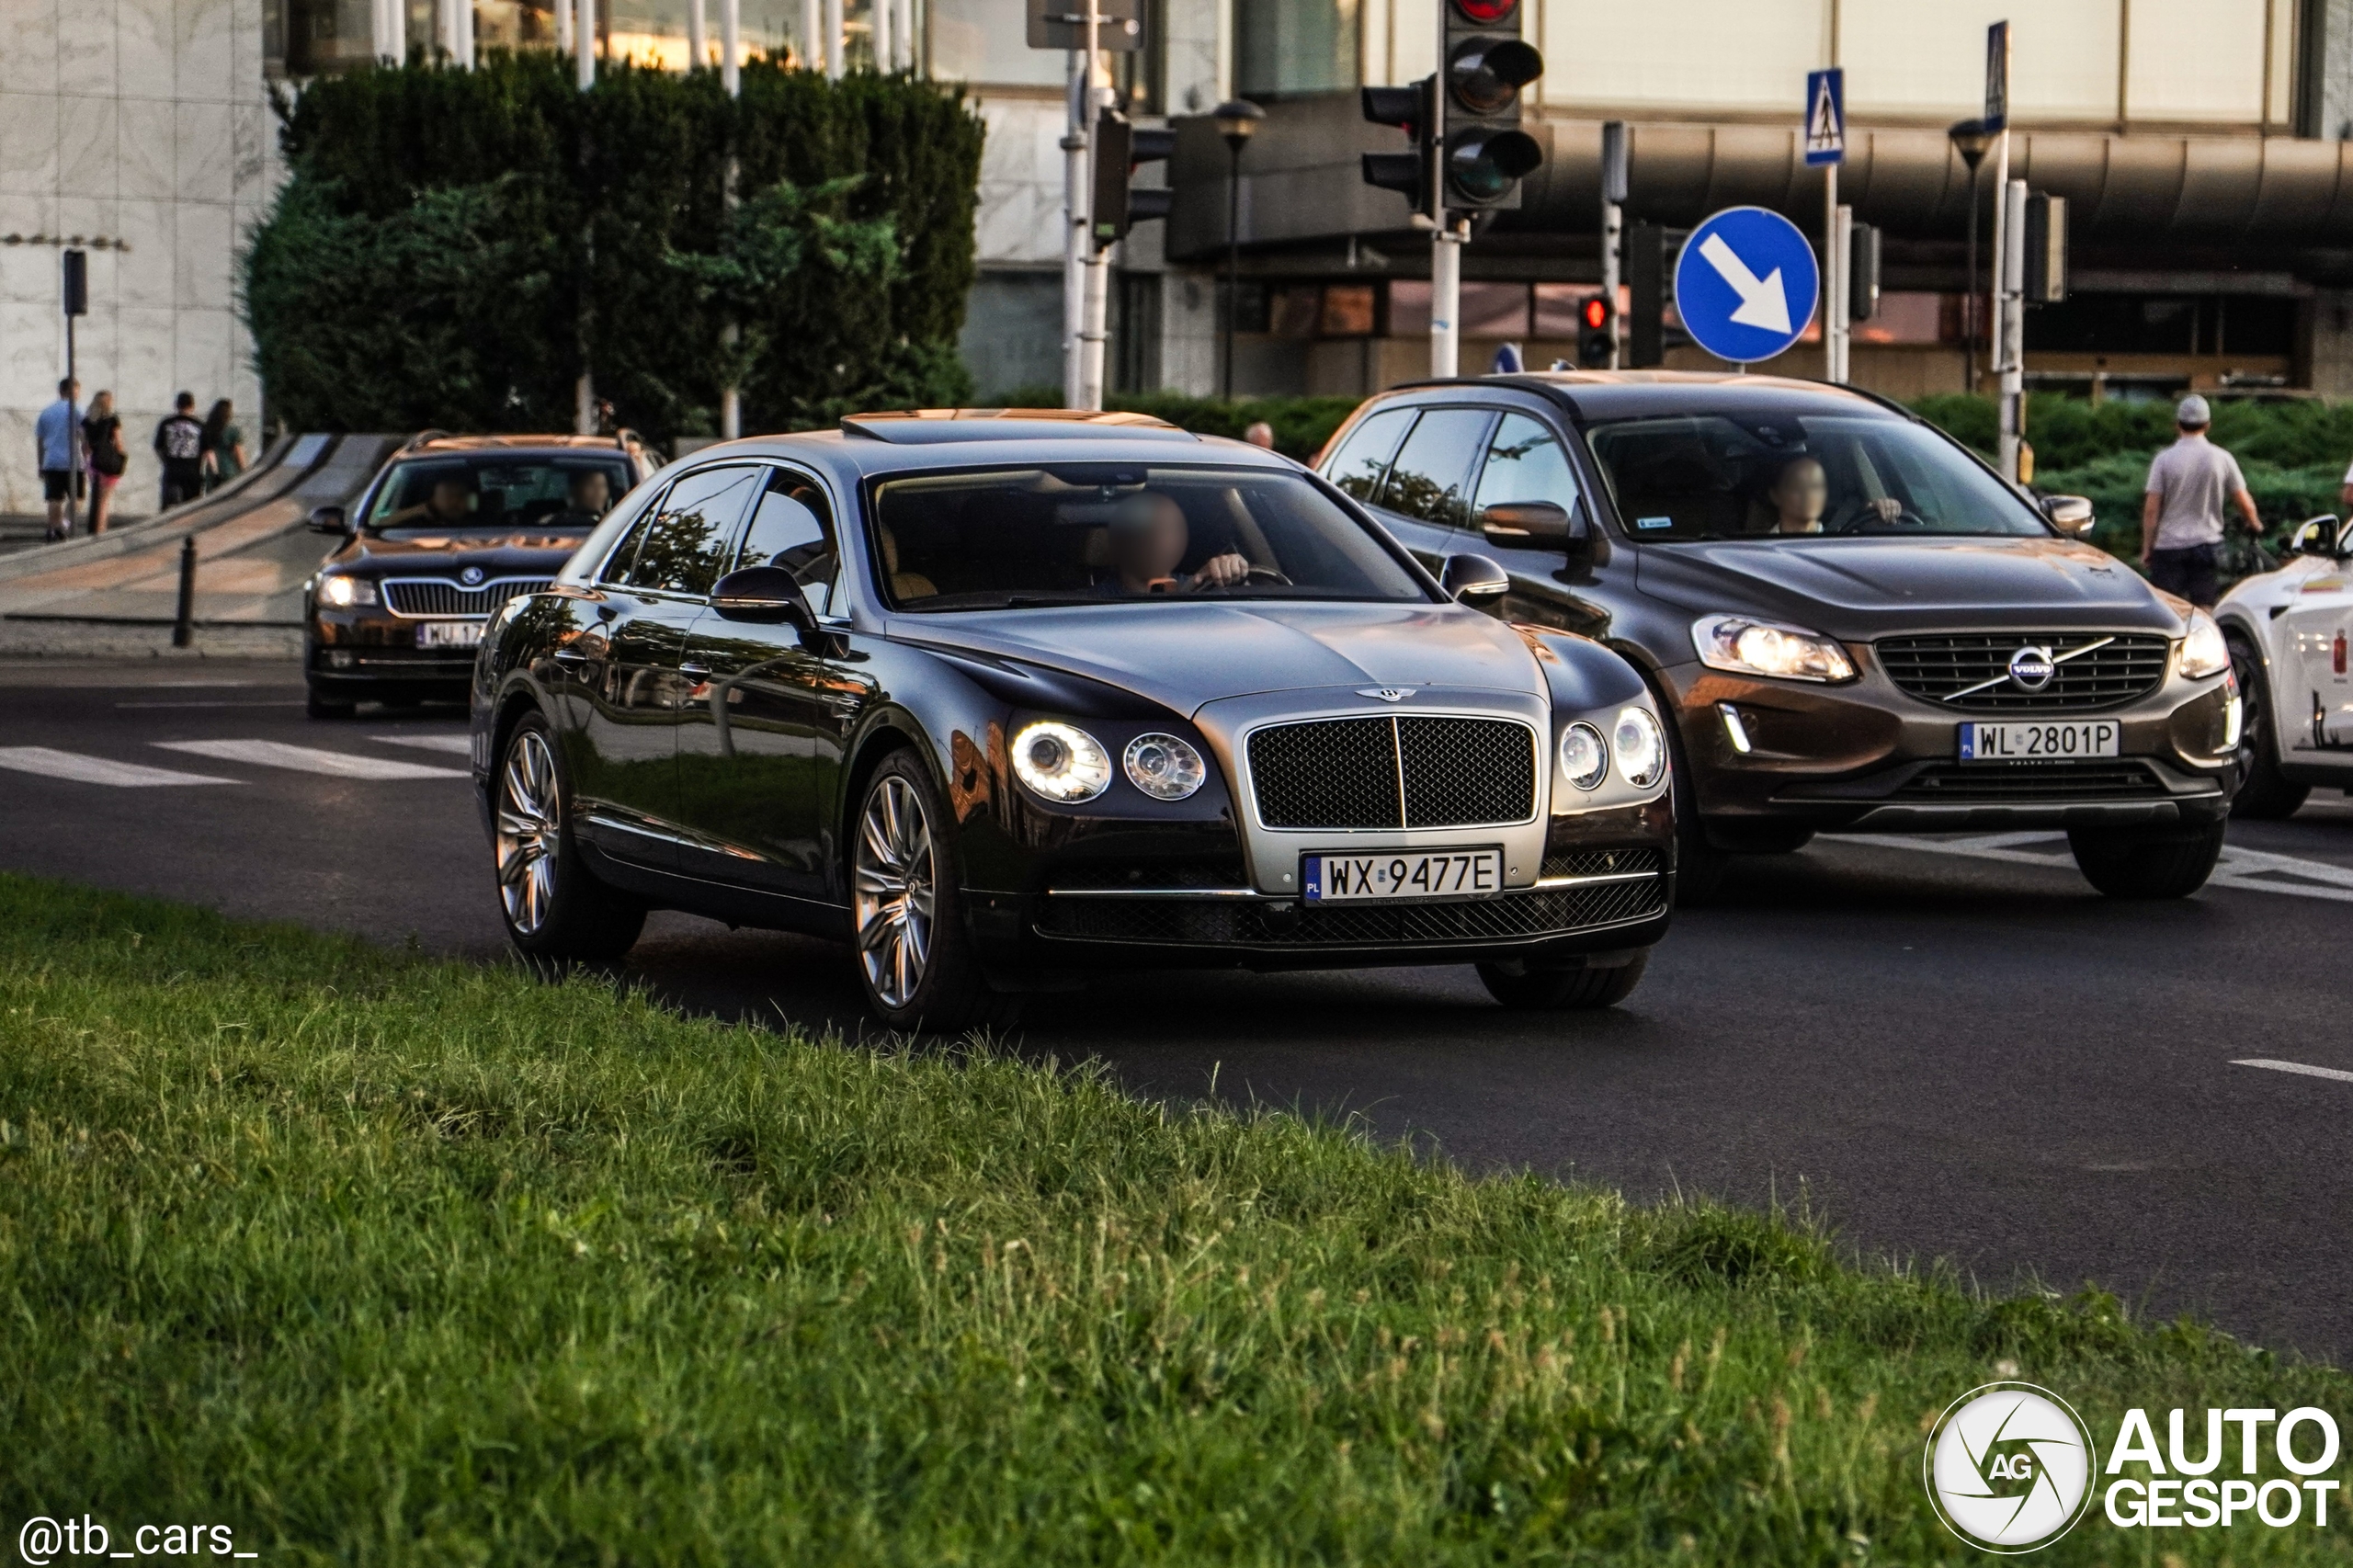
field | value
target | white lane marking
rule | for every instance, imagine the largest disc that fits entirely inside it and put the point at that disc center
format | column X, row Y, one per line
column 2248, row 870
column 309, row 759
column 244, row 702
column 2337, row 1073
column 53, row 764
column 457, row 745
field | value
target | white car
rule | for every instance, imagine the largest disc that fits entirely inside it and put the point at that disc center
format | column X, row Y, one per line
column 2288, row 630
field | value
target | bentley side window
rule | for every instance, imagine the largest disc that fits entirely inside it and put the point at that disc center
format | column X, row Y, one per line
column 617, row 564
column 1525, row 462
column 1433, row 469
column 684, row 549
column 792, row 526
column 1362, row 462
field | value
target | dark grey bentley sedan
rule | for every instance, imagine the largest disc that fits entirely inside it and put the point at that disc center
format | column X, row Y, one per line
column 998, row 698
column 1853, row 622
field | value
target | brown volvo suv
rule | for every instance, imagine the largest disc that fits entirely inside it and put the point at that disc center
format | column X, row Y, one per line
column 1857, row 624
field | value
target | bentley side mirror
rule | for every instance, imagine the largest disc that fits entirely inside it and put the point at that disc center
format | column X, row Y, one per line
column 762, row 594
column 2314, row 535
column 2071, row 515
column 329, row 520
column 1473, row 579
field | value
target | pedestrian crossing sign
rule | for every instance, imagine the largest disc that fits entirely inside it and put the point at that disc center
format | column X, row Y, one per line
column 1826, row 116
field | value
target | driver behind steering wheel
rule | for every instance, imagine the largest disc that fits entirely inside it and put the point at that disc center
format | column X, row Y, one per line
column 1801, row 490
column 1149, row 537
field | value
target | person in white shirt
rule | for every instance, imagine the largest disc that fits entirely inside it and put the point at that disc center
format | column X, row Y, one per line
column 2181, row 518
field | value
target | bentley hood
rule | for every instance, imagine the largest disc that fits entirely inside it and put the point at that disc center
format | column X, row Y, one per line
column 1858, row 589
column 1184, row 655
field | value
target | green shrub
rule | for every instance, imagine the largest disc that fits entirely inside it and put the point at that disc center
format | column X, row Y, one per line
column 452, row 245
column 1301, row 425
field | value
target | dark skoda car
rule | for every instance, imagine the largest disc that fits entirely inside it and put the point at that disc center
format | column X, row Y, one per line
column 1856, row 625
column 449, row 529
column 1000, row 699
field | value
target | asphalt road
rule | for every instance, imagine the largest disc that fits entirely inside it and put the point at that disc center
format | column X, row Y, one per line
column 1948, row 1049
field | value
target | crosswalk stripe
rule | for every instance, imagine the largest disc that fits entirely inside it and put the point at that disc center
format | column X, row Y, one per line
column 459, row 745
column 2338, row 1073
column 2249, row 870
column 309, row 759
column 50, row 763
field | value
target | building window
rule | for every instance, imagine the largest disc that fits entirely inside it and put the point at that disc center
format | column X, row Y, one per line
column 306, row 38
column 1294, row 46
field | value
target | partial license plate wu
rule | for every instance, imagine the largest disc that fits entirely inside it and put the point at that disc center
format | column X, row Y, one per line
column 450, row 634
column 1415, row 874
column 2049, row 740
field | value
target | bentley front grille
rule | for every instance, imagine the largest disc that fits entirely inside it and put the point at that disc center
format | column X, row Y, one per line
column 1399, row 772
column 441, row 596
column 1970, row 671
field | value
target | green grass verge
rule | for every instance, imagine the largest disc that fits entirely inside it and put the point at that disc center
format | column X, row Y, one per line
column 378, row 1259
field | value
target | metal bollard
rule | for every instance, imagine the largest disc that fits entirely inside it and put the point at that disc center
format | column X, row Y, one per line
column 184, row 625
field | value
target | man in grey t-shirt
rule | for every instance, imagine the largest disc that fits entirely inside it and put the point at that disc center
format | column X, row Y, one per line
column 2181, row 518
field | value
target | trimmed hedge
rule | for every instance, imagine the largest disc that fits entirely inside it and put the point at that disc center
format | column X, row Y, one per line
column 1301, row 425
column 454, row 243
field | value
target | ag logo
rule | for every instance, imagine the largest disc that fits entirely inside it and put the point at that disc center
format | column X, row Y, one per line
column 470, row 575
column 2031, row 668
column 2009, row 1467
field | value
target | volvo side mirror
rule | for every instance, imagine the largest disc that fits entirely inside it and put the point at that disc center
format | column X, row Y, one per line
column 2314, row 535
column 1525, row 525
column 762, row 594
column 2071, row 515
column 329, row 520
column 1473, row 579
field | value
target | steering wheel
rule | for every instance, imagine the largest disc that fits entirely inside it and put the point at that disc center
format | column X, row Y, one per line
column 1268, row 575
column 1865, row 514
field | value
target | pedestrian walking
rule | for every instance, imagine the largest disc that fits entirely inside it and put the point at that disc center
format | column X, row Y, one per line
column 102, row 439
column 53, row 441
column 224, row 446
column 180, row 441
column 1260, row 433
column 2181, row 515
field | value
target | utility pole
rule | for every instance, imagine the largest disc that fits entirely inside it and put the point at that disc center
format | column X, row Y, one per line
column 2011, row 248
column 731, row 77
column 1078, row 182
column 880, row 12
column 583, row 60
column 834, row 39
column 813, row 32
column 1614, row 190
column 1825, row 143
column 698, row 36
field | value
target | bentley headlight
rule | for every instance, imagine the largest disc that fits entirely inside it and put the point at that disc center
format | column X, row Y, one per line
column 1584, row 756
column 1641, row 747
column 1163, row 767
column 343, row 592
column 1751, row 647
column 1061, row 762
column 2203, row 652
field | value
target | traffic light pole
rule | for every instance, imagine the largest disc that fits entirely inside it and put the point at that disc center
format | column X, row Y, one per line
column 1446, row 299
column 2008, row 376
column 2011, row 248
column 1833, row 293
column 1079, row 273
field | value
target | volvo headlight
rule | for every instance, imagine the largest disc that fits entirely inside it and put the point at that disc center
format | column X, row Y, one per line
column 343, row 592
column 1641, row 746
column 1163, row 767
column 1751, row 647
column 1584, row 756
column 2203, row 652
column 1061, row 762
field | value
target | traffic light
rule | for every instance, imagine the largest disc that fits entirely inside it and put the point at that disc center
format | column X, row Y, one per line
column 1646, row 296
column 1407, row 109
column 2046, row 249
column 1485, row 63
column 1862, row 272
column 1121, row 148
column 1596, row 332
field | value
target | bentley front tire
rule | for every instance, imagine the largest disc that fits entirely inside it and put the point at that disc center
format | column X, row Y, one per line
column 2139, row 863
column 915, row 958
column 1564, row 990
column 554, row 907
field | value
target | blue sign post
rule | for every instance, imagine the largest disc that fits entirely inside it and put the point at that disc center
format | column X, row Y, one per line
column 1745, row 284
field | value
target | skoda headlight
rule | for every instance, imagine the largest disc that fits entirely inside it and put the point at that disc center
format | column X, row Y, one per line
column 1162, row 767
column 1751, row 647
column 2203, row 652
column 1641, row 747
column 1061, row 762
column 1584, row 756
column 343, row 592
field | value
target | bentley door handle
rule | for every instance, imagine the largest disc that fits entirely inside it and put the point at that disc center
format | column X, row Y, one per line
column 568, row 656
column 693, row 669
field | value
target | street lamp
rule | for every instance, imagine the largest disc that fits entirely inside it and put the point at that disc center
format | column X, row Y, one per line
column 1237, row 120
column 1970, row 139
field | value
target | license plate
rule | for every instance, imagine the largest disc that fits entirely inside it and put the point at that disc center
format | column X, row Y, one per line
column 2051, row 740
column 1420, row 873
column 450, row 634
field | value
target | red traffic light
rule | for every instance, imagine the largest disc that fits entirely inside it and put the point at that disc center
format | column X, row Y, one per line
column 1486, row 13
column 1596, row 312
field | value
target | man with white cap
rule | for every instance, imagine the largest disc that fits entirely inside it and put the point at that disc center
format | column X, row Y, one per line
column 2181, row 517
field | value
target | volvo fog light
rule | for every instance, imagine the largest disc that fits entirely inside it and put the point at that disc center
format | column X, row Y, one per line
column 1641, row 747
column 1584, row 756
column 1061, row 762
column 1162, row 767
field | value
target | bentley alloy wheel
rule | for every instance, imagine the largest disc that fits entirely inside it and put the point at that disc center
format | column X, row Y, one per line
column 897, row 875
column 528, row 826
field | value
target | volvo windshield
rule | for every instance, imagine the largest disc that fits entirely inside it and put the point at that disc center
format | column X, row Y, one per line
column 1795, row 476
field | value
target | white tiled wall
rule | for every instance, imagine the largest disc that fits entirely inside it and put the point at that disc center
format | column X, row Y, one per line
column 143, row 121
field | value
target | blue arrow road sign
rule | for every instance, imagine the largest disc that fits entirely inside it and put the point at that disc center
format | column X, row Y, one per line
column 1826, row 116
column 1745, row 284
